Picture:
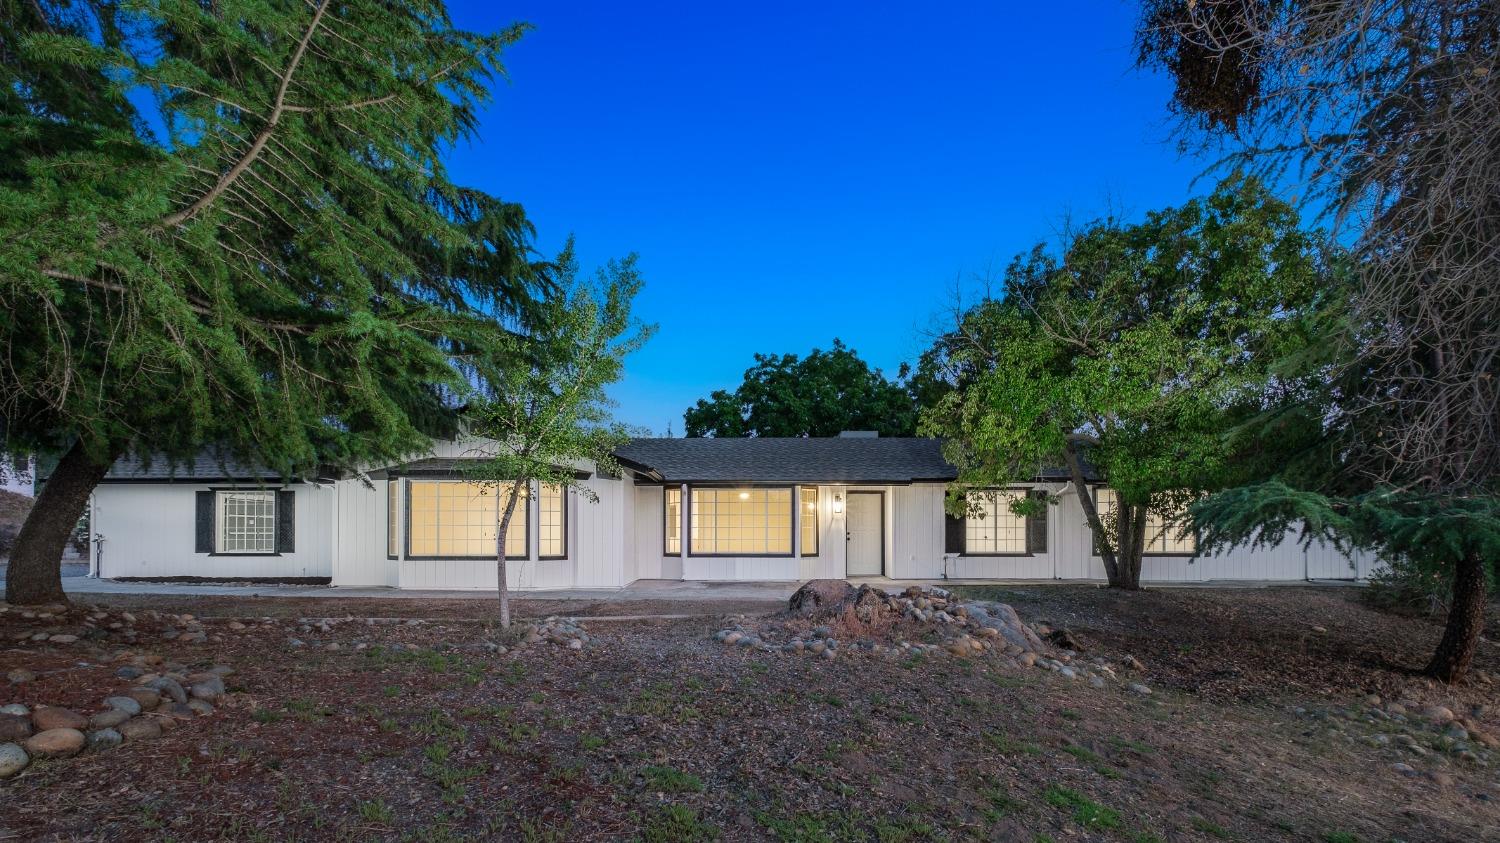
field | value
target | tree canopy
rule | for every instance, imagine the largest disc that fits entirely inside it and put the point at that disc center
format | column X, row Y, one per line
column 822, row 394
column 549, row 413
column 231, row 223
column 1384, row 111
column 1132, row 351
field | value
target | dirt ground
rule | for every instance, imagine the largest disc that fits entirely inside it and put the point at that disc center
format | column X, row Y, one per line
column 1258, row 728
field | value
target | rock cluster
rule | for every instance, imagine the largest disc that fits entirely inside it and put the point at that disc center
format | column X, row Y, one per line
column 564, row 632
column 873, row 620
column 1412, row 733
column 60, row 625
column 157, row 697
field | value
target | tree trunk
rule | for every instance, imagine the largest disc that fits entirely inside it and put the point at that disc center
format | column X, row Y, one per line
column 35, row 573
column 1465, row 622
column 504, row 527
column 1129, row 524
column 1091, row 513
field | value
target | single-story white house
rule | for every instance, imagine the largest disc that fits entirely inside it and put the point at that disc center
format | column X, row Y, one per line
column 760, row 509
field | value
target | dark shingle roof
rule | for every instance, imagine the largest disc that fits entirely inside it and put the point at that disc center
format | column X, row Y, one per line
column 762, row 460
column 204, row 467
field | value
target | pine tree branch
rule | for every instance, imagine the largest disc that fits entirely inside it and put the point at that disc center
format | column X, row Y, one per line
column 195, row 305
column 261, row 139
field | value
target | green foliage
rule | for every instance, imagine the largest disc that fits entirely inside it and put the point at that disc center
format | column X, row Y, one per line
column 1086, row 812
column 671, row 780
column 1135, row 349
column 230, row 222
column 676, row 824
column 1419, row 534
column 549, row 411
column 821, row 394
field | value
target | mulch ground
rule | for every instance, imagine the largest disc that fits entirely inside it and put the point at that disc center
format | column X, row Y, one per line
column 654, row 732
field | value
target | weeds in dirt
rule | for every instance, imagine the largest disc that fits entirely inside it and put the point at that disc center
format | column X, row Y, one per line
column 1127, row 743
column 903, row 830
column 671, row 780
column 534, row 832
column 1005, row 744
column 1086, row 812
column 376, row 811
column 1210, row 828
column 309, row 711
column 811, row 828
column 676, row 824
column 1001, row 804
column 1093, row 759
column 664, row 701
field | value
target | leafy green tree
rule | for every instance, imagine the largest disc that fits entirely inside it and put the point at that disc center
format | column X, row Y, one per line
column 821, row 394
column 1384, row 110
column 229, row 222
column 1130, row 352
column 550, row 413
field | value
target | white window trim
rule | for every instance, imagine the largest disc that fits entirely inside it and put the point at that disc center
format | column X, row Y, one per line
column 221, row 522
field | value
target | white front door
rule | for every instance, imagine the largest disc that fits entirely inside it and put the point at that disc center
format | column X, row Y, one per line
column 864, row 535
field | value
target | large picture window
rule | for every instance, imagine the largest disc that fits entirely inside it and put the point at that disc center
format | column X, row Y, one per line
column 247, row 522
column 741, row 522
column 1162, row 538
column 455, row 519
column 552, row 522
column 671, row 521
column 997, row 531
column 807, row 517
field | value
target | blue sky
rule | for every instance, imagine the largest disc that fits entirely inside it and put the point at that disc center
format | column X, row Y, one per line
column 791, row 173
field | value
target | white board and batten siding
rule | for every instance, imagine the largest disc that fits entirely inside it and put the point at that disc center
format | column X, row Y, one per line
column 341, row 533
column 149, row 530
column 1284, row 562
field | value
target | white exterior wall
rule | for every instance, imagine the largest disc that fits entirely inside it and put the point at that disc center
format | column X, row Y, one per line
column 359, row 536
column 1075, row 559
column 341, row 533
column 150, row 530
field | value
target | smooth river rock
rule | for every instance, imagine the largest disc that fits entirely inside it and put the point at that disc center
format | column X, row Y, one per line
column 55, row 743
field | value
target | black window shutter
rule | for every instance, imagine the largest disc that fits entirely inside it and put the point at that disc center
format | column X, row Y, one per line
column 203, row 534
column 1036, row 525
column 953, row 534
column 286, row 521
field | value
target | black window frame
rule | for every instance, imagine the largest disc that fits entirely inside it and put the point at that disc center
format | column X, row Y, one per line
column 817, row 523
column 562, row 493
column 792, row 525
column 681, row 512
column 1096, row 547
column 406, row 495
column 1025, row 527
column 392, row 542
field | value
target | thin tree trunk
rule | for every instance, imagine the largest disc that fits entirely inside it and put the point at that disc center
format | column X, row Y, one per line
column 504, row 527
column 1465, row 622
column 1091, row 512
column 1137, row 551
column 35, row 573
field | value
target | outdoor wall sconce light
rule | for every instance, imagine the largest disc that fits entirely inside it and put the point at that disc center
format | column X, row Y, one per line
column 838, row 504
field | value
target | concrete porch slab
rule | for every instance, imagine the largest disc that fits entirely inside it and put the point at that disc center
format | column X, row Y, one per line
column 685, row 590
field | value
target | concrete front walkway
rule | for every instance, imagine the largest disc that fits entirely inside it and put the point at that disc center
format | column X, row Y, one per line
column 692, row 590
column 638, row 590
